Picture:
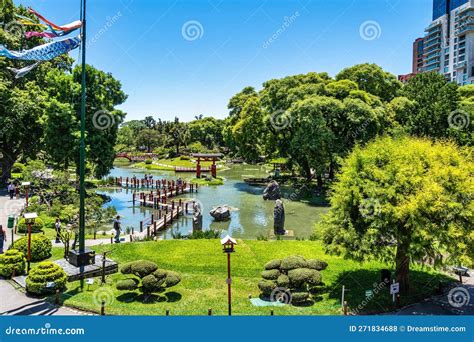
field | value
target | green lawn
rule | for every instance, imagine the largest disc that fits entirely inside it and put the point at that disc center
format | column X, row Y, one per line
column 202, row 266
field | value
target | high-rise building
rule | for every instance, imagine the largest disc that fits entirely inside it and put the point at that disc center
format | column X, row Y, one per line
column 448, row 45
column 418, row 50
column 417, row 61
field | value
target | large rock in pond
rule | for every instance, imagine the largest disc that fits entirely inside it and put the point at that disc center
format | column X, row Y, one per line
column 272, row 191
column 221, row 213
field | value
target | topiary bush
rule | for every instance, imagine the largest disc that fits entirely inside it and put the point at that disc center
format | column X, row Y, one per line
column 140, row 268
column 152, row 279
column 294, row 275
column 127, row 284
column 12, row 262
column 273, row 264
column 35, row 228
column 44, row 274
column 40, row 247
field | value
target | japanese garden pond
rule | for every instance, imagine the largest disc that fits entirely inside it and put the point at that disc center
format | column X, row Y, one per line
column 251, row 216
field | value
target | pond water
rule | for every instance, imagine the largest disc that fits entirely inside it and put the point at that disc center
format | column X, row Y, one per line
column 251, row 216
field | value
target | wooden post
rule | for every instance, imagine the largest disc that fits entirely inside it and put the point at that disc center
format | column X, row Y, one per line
column 154, row 228
column 345, row 308
column 102, row 308
column 147, row 231
column 167, row 312
column 186, row 207
column 57, row 297
column 209, row 312
column 141, row 226
column 398, row 300
column 152, row 218
column 271, row 313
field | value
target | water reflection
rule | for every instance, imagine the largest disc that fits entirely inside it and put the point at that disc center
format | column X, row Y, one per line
column 251, row 216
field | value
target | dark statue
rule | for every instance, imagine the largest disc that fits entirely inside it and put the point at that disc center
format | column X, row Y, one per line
column 279, row 218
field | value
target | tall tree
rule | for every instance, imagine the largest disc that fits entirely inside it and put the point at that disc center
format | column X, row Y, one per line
column 403, row 200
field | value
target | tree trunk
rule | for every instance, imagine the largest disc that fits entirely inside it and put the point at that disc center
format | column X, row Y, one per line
column 319, row 179
column 402, row 261
column 6, row 164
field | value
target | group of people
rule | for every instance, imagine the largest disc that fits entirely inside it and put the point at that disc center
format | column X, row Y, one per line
column 13, row 190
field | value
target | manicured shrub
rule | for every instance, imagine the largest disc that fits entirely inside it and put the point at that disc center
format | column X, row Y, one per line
column 270, row 274
column 12, row 262
column 127, row 284
column 292, row 262
column 46, row 273
column 172, row 279
column 40, row 247
column 298, row 277
column 151, row 284
column 295, row 274
column 152, row 279
column 317, row 265
column 140, row 268
column 283, row 281
column 35, row 228
column 266, row 286
column 299, row 297
column 273, row 264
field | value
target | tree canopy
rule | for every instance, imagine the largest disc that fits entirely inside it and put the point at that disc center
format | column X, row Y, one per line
column 403, row 200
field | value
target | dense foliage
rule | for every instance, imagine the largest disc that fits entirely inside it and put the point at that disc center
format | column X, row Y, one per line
column 40, row 112
column 12, row 262
column 291, row 280
column 41, row 247
column 150, row 277
column 46, row 278
column 404, row 200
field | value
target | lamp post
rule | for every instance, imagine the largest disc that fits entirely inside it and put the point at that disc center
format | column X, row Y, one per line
column 29, row 220
column 228, row 244
column 26, row 186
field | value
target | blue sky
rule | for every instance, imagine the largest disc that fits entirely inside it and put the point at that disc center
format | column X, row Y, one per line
column 169, row 71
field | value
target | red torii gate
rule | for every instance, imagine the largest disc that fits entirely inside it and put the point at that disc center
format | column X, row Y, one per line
column 206, row 157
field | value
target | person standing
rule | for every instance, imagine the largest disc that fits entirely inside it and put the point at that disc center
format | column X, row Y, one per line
column 117, row 229
column 3, row 238
column 57, row 226
column 11, row 190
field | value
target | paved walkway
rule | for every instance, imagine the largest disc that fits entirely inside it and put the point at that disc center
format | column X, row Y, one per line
column 15, row 302
column 441, row 305
column 9, row 207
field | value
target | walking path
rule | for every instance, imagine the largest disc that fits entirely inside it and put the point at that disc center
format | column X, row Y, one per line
column 15, row 302
column 9, row 207
column 442, row 305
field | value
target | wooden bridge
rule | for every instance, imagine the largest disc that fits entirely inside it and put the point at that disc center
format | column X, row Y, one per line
column 158, row 184
column 161, row 219
column 159, row 199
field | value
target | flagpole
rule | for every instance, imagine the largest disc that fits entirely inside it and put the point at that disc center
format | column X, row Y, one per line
column 82, row 161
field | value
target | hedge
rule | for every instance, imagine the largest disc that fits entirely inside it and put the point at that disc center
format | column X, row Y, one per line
column 44, row 273
column 35, row 228
column 12, row 262
column 40, row 247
